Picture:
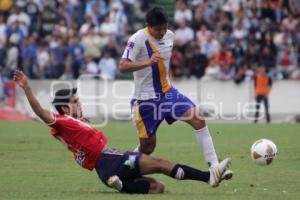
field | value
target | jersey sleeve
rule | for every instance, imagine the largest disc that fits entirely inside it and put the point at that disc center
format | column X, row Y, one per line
column 56, row 123
column 133, row 48
column 172, row 35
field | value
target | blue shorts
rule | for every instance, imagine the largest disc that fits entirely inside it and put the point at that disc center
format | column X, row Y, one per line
column 113, row 162
column 148, row 114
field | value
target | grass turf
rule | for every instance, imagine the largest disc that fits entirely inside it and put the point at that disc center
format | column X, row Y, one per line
column 35, row 166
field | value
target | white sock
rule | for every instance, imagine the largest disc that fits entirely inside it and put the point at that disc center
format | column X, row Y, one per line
column 137, row 148
column 205, row 141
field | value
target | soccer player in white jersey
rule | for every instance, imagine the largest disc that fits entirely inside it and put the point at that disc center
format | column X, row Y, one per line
column 147, row 55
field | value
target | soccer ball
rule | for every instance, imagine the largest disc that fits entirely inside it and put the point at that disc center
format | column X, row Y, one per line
column 263, row 152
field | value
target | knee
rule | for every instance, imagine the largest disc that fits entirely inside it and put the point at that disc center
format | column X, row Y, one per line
column 198, row 123
column 147, row 148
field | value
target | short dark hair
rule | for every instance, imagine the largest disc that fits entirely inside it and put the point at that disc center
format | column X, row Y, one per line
column 156, row 16
column 62, row 98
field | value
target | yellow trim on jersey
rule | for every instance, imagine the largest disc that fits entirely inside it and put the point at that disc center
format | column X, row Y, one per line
column 139, row 122
column 165, row 85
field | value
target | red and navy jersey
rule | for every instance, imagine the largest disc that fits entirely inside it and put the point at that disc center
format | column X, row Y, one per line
column 85, row 142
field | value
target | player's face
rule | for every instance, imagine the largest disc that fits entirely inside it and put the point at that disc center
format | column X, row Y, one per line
column 75, row 107
column 158, row 32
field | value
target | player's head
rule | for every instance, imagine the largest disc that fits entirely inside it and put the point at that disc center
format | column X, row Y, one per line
column 157, row 22
column 66, row 102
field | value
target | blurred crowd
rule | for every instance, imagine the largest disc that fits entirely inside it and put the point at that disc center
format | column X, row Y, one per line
column 230, row 39
column 214, row 39
column 63, row 39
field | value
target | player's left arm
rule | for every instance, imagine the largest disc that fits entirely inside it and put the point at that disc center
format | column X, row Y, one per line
column 22, row 81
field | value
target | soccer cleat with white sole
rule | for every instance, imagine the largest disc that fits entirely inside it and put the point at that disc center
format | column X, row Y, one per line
column 115, row 182
column 217, row 172
column 227, row 175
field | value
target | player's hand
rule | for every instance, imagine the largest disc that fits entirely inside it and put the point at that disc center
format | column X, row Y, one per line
column 155, row 58
column 21, row 79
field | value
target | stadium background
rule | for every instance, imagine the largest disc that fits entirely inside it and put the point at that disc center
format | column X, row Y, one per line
column 224, row 40
column 219, row 43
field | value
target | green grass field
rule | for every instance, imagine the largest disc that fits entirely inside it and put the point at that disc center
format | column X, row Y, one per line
column 35, row 166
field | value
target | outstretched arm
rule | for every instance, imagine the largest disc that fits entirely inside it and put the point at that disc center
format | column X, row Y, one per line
column 22, row 81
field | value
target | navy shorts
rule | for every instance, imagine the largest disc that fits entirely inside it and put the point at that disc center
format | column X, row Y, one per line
column 114, row 162
column 148, row 114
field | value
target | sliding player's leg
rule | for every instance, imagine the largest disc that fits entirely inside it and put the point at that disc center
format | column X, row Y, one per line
column 150, row 165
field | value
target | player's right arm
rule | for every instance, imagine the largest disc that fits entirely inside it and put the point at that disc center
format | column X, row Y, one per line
column 127, row 65
column 129, row 62
column 22, row 81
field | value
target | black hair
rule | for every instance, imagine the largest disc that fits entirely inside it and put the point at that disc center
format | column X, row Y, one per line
column 156, row 16
column 62, row 98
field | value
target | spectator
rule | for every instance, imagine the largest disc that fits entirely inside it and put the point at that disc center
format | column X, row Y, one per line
column 268, row 41
column 221, row 65
column 267, row 59
column 113, row 49
column 176, row 63
column 61, row 28
column 198, row 62
column 290, row 23
column 87, row 25
column 118, row 17
column 252, row 57
column 226, row 73
column 108, row 29
column 92, row 69
column 15, row 31
column 202, row 35
column 20, row 16
column 97, row 10
column 239, row 33
column 238, row 51
column 287, row 62
column 58, row 55
column 32, row 9
column 29, row 58
column 12, row 58
column 183, row 35
column 75, row 56
column 107, row 66
column 93, row 43
column 49, row 17
column 43, row 59
column 210, row 47
column 198, row 21
column 182, row 13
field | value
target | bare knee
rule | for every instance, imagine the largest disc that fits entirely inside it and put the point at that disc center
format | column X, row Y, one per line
column 156, row 187
column 147, row 147
column 197, row 123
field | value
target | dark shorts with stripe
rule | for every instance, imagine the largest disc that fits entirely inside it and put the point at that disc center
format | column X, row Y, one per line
column 114, row 162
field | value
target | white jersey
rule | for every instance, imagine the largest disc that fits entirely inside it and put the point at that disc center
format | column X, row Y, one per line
column 153, row 80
